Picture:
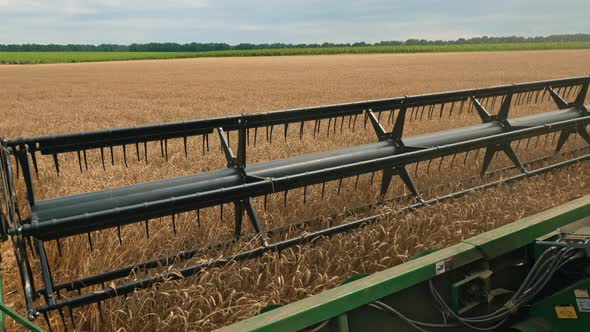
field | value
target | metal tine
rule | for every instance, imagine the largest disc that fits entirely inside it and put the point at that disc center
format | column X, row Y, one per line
column 46, row 317
column 431, row 111
column 441, row 161
column 90, row 241
column 412, row 111
column 451, row 109
column 119, row 234
column 315, row 128
column 166, row 148
column 466, row 155
column 342, row 124
column 207, row 141
column 29, row 242
column 416, row 169
column 137, row 151
column 265, row 202
column 390, row 118
column 524, row 98
column 174, row 223
column 147, row 229
column 63, row 319
column 304, row 194
column 372, row 177
column 528, row 141
column 286, row 129
column 487, row 102
column 567, row 91
column 517, row 145
column 530, row 98
column 112, row 156
column 546, row 138
column 428, row 166
column 162, row 148
column 461, row 106
column 442, row 108
column 421, row 113
column 356, row 182
column 453, row 160
column 323, row 189
column 285, row 199
column 538, row 92
column 185, row 142
column 16, row 163
column 100, row 311
column 494, row 102
column 544, row 94
column 335, row 120
column 301, row 130
column 35, row 166
column 198, row 212
column 354, row 122
column 553, row 138
column 476, row 154
column 79, row 160
column 339, row 185
column 145, row 152
column 85, row 159
column 349, row 121
column 517, row 99
column 221, row 212
column 124, row 154
column 58, row 243
column 366, row 117
column 71, row 314
column 537, row 141
column 248, row 136
column 271, row 128
column 328, row 129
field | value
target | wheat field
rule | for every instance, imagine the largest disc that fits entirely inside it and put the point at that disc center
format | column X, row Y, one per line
column 50, row 99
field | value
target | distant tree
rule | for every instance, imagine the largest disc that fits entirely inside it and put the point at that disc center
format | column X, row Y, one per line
column 204, row 47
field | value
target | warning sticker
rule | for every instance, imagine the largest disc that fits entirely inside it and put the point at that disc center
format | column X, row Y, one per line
column 566, row 312
column 583, row 305
column 581, row 293
column 441, row 267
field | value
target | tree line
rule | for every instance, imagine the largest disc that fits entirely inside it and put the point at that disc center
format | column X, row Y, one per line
column 204, row 47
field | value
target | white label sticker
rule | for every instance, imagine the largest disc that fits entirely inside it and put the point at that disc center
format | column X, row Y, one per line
column 583, row 305
column 581, row 293
column 440, row 267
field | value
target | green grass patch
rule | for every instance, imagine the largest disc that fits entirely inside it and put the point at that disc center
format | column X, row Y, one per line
column 62, row 57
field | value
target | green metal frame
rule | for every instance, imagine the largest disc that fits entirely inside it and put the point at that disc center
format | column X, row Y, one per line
column 336, row 302
column 6, row 311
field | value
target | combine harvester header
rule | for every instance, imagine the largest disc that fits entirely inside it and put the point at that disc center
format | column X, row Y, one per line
column 31, row 223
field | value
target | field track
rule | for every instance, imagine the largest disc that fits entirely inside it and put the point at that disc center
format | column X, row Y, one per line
column 59, row 98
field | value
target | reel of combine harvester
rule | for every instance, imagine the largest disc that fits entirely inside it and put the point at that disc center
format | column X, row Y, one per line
column 394, row 153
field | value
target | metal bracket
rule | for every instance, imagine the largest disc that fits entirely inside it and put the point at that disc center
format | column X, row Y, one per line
column 561, row 104
column 404, row 175
column 565, row 134
column 508, row 150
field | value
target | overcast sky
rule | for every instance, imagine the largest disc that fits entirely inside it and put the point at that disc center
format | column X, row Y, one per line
column 300, row 21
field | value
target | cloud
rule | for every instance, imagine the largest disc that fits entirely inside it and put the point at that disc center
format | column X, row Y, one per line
column 234, row 21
